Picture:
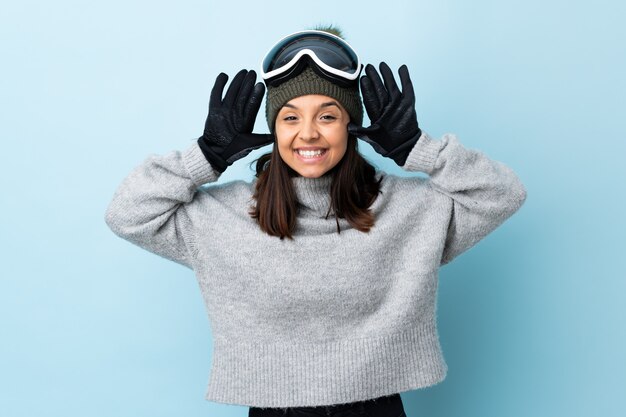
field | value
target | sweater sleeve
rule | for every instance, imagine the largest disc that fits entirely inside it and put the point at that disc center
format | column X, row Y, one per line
column 150, row 207
column 484, row 192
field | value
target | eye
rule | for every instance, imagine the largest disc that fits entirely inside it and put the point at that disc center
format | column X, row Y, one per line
column 328, row 117
column 289, row 118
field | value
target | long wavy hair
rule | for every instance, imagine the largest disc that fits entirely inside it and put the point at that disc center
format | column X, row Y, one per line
column 354, row 188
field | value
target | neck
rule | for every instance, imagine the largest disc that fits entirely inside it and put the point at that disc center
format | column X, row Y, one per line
column 313, row 193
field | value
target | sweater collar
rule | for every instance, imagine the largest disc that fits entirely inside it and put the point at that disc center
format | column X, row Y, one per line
column 313, row 193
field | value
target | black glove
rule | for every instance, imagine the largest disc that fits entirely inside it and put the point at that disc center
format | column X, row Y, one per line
column 228, row 129
column 394, row 130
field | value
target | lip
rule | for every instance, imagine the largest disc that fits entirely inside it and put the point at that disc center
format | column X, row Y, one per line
column 310, row 148
column 311, row 160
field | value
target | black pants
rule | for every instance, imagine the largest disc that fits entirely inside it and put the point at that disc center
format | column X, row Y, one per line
column 388, row 406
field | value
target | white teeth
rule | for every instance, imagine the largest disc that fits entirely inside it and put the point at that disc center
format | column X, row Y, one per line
column 310, row 153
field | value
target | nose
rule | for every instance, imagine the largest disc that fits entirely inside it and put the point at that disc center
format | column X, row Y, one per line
column 309, row 131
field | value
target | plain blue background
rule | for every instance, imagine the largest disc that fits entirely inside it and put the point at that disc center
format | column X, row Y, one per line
column 531, row 319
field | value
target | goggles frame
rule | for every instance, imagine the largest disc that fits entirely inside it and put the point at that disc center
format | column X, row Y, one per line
column 286, row 71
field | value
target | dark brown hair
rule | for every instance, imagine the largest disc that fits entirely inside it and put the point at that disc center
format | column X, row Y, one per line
column 353, row 190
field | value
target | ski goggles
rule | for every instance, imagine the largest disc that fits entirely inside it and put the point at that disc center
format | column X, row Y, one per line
column 333, row 57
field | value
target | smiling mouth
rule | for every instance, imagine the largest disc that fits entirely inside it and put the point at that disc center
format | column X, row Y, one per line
column 311, row 154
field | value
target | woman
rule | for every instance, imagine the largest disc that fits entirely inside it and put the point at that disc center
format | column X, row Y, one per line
column 338, row 318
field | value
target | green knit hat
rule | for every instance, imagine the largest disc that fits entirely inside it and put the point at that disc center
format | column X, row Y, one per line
column 309, row 82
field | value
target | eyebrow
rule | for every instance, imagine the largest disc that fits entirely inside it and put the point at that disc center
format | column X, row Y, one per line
column 327, row 104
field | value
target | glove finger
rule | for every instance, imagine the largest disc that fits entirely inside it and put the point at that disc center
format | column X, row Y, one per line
column 370, row 99
column 253, row 105
column 390, row 82
column 357, row 130
column 354, row 129
column 379, row 88
column 233, row 89
column 218, row 89
column 247, row 143
column 244, row 93
column 377, row 147
column 407, row 86
column 262, row 139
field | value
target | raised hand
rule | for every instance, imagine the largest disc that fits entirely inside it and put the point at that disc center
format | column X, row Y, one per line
column 228, row 133
column 394, row 130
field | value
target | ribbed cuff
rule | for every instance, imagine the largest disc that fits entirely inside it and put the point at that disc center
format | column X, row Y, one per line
column 423, row 156
column 200, row 170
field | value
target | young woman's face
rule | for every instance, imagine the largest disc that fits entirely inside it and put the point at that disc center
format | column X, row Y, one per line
column 313, row 122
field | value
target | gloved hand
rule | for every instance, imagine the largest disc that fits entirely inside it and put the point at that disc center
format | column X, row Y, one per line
column 228, row 129
column 394, row 130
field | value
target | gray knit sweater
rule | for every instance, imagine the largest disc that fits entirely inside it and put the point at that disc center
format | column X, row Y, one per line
column 326, row 318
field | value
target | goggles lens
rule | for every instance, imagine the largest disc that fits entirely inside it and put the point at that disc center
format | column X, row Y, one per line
column 333, row 54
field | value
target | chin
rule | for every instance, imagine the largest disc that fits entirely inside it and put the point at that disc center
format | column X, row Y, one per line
column 311, row 174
